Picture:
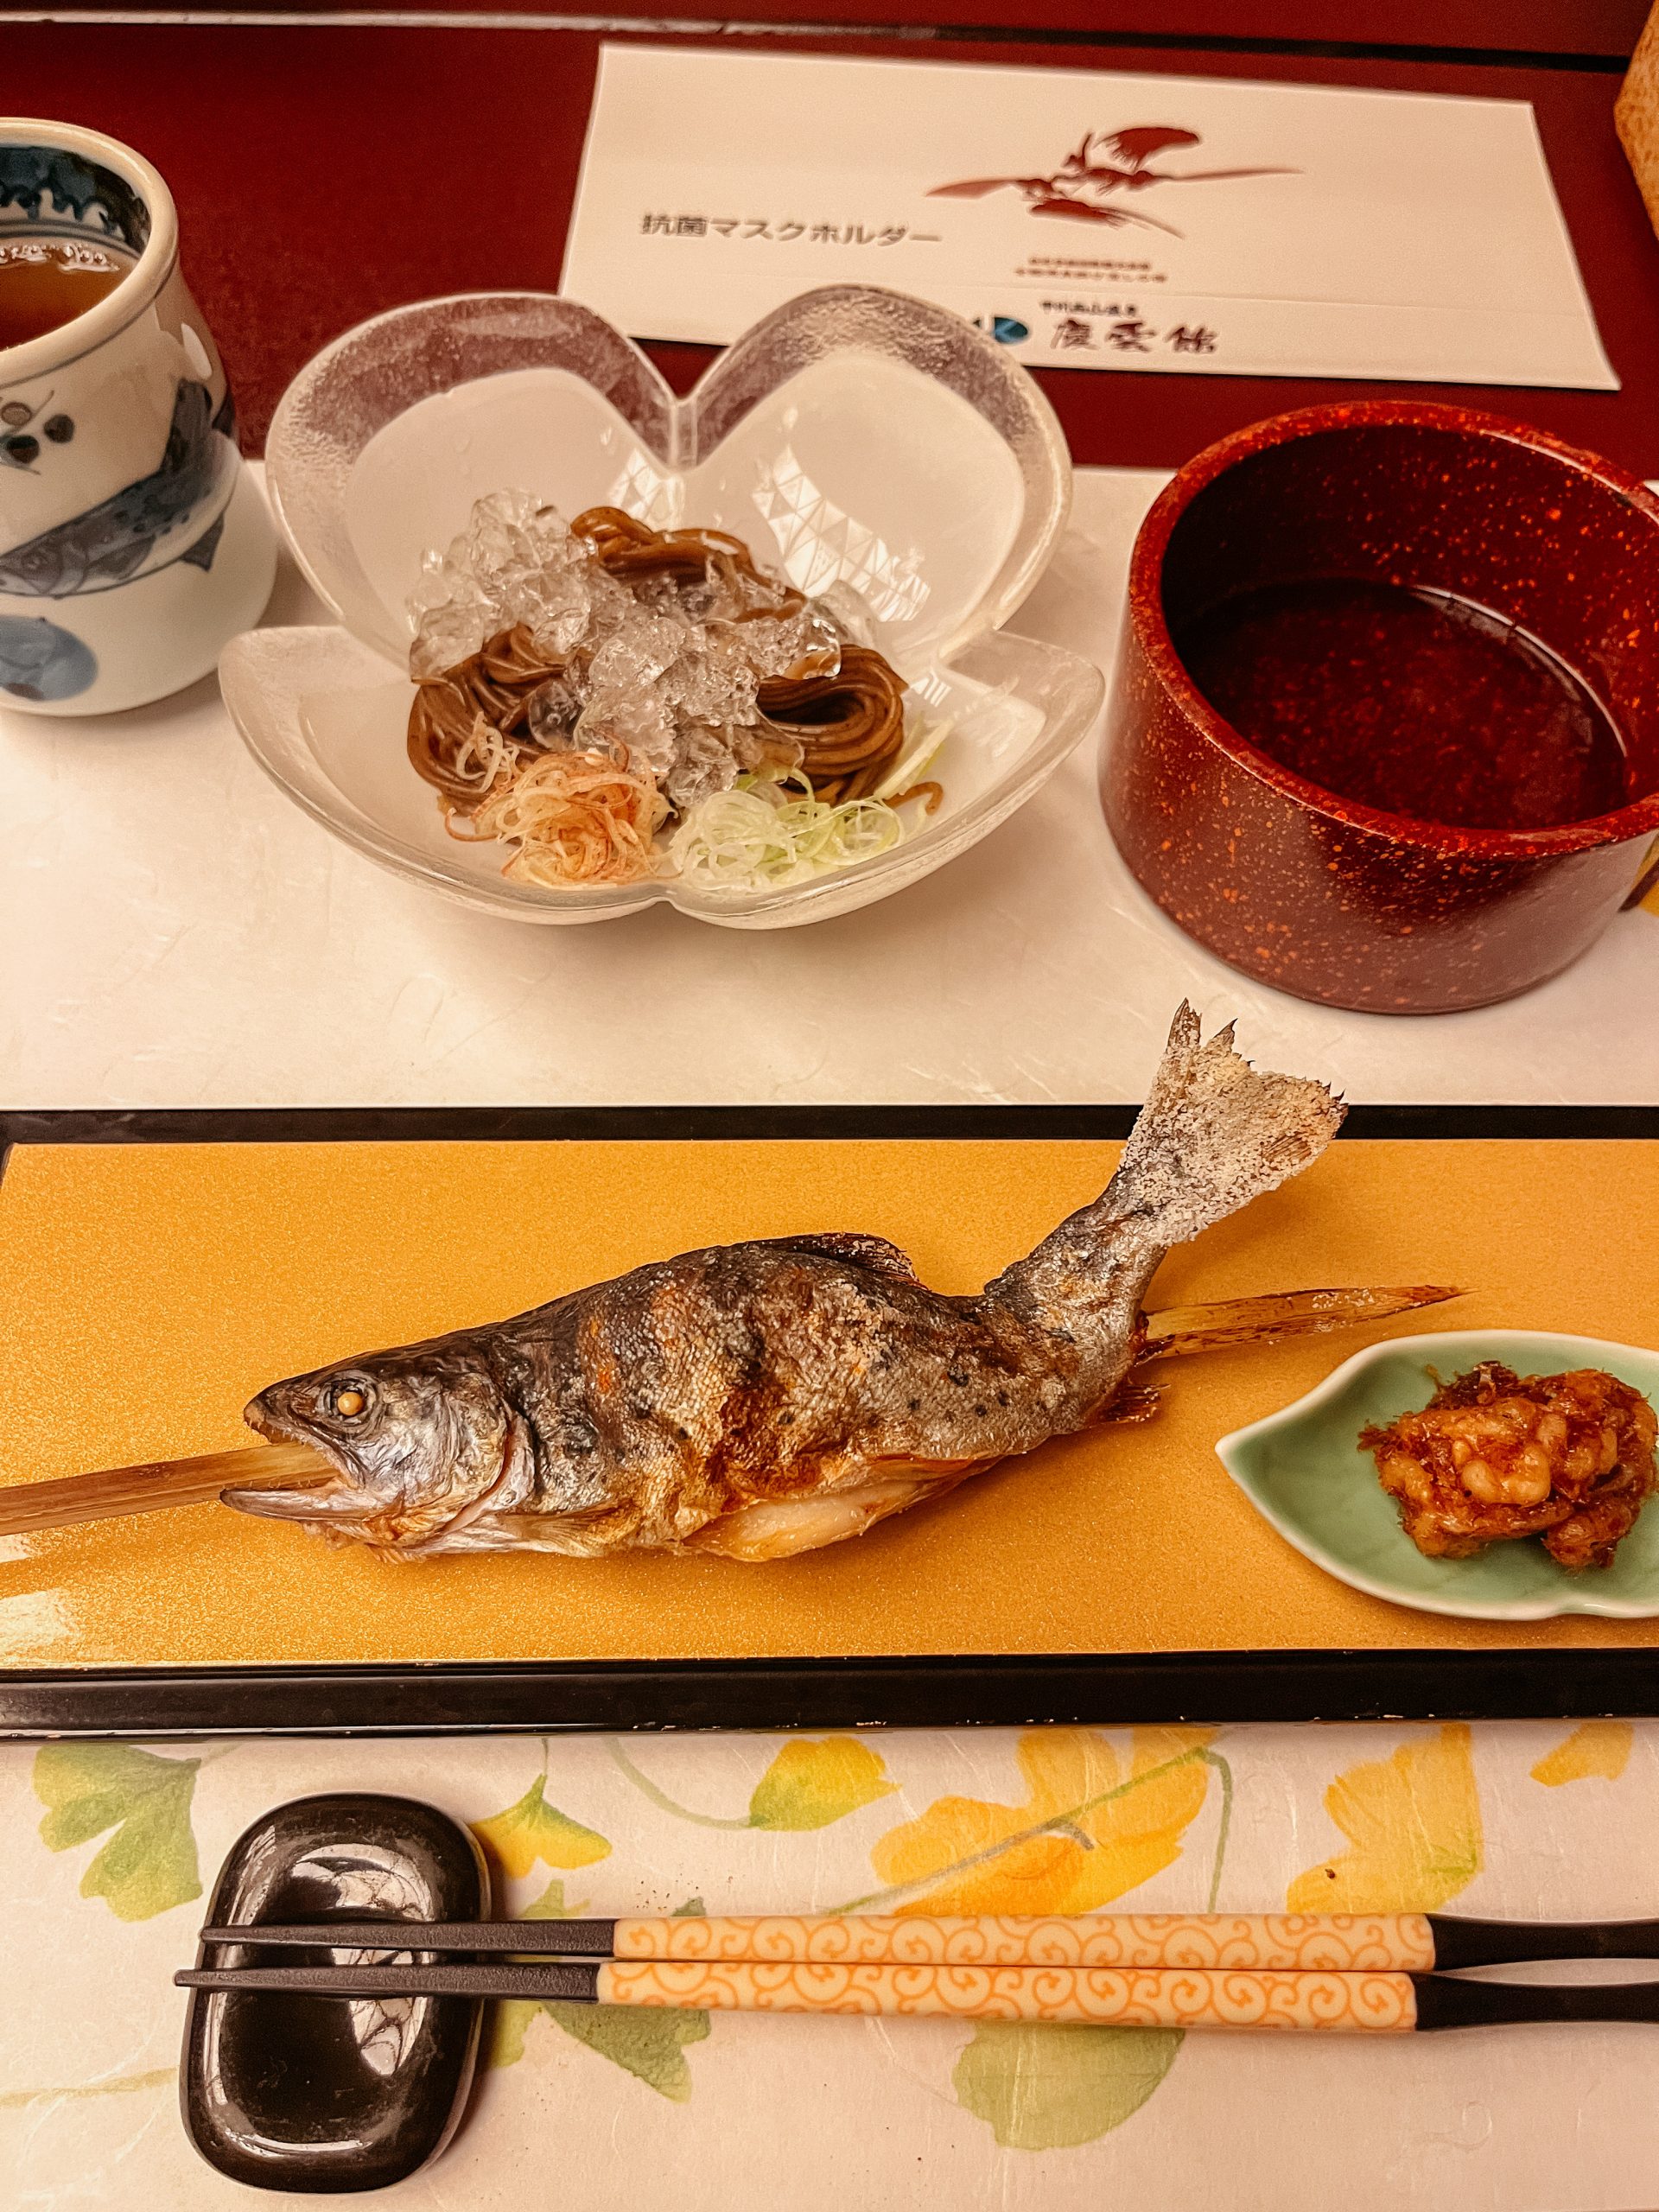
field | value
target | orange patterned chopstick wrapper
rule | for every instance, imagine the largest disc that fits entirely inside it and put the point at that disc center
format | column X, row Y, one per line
column 1364, row 2002
column 1306, row 1942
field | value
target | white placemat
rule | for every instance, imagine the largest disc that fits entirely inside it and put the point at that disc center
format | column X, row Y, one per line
column 177, row 933
column 108, row 1850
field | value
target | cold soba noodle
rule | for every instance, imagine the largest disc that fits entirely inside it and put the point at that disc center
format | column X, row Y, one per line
column 620, row 683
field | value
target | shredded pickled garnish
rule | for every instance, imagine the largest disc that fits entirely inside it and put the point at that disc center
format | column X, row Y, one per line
column 757, row 837
column 484, row 756
column 575, row 818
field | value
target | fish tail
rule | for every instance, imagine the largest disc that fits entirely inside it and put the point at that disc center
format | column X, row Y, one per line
column 1214, row 1133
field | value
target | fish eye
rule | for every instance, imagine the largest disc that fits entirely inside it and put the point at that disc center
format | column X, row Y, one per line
column 346, row 1400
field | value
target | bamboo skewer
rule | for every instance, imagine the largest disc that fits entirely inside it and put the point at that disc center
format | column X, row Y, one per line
column 26, row 1508
column 1273, row 1315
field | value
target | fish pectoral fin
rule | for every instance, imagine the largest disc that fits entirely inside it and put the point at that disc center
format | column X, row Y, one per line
column 1134, row 1403
column 779, row 1527
column 875, row 1253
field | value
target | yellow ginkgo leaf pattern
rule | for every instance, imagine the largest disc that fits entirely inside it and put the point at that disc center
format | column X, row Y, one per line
column 513, row 2016
column 649, row 2044
column 1596, row 1748
column 1414, row 1823
column 532, row 1829
column 1090, row 1827
column 1047, row 2089
column 810, row 1783
column 148, row 1863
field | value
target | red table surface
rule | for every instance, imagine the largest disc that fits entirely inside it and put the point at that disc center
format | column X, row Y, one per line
column 325, row 172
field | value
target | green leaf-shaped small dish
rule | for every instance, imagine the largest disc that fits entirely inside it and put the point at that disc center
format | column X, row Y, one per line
column 1304, row 1468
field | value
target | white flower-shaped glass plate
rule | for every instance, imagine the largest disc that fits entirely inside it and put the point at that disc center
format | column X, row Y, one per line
column 1303, row 1469
column 853, row 436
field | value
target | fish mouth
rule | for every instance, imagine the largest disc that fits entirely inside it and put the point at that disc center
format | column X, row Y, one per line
column 337, row 1498
column 332, row 1499
column 330, row 1503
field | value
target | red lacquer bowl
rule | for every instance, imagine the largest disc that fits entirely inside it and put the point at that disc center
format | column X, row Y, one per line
column 1316, row 894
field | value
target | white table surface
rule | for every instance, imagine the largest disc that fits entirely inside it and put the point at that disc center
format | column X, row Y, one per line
column 177, row 933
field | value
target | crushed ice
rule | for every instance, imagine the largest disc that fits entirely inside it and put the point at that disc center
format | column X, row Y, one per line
column 667, row 666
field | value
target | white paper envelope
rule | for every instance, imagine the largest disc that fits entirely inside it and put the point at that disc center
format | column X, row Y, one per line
column 1175, row 224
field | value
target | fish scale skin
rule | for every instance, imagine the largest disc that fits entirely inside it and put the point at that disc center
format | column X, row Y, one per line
column 750, row 1380
column 657, row 1403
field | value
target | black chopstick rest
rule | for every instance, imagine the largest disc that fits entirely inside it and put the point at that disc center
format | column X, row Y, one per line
column 284, row 2090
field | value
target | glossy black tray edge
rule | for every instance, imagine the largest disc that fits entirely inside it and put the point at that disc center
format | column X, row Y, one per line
column 980, row 1691
column 989, row 1690
column 742, row 1124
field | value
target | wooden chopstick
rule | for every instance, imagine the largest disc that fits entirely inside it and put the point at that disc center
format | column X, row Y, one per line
column 524, row 1938
column 1383, row 2002
column 1373, row 2004
column 1329, row 1943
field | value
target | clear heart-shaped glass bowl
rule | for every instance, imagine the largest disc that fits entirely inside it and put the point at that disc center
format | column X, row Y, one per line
column 1303, row 1469
column 854, row 435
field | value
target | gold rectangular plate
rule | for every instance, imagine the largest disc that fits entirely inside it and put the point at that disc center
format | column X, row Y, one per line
column 147, row 1291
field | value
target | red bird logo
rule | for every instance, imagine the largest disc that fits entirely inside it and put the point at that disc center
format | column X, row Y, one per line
column 1086, row 189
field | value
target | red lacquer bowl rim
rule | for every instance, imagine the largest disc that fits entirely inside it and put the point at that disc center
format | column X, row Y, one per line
column 1640, row 819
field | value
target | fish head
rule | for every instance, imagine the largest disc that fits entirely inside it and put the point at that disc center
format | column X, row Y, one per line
column 413, row 1438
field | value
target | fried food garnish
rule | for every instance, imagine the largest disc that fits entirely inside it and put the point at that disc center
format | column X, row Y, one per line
column 1495, row 1456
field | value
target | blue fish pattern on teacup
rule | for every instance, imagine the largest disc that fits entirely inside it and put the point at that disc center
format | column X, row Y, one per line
column 146, row 524
column 39, row 661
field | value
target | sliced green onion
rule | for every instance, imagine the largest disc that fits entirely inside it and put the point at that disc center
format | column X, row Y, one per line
column 754, row 838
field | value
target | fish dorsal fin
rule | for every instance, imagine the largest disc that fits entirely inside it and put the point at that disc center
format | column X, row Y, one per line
column 875, row 1253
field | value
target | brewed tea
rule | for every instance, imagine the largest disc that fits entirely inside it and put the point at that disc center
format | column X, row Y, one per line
column 44, row 282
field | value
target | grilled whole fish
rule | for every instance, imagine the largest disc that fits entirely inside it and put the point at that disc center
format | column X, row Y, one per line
column 763, row 1399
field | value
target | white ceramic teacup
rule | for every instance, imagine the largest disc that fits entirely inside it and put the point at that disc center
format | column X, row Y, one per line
column 132, row 543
